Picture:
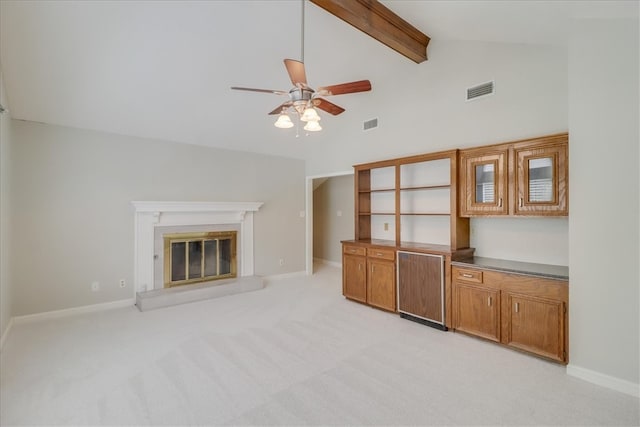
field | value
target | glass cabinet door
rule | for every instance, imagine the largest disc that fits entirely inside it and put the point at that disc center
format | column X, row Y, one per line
column 541, row 180
column 484, row 178
column 485, row 183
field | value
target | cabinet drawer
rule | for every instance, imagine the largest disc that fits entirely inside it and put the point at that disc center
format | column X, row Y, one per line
column 473, row 276
column 354, row 250
column 388, row 254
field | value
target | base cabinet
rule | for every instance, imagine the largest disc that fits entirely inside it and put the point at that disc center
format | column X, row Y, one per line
column 535, row 325
column 381, row 284
column 519, row 311
column 369, row 276
column 354, row 280
column 478, row 311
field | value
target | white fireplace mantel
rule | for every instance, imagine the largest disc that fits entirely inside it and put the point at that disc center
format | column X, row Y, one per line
column 149, row 215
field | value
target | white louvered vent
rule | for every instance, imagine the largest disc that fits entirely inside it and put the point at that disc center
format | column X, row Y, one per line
column 370, row 124
column 479, row 91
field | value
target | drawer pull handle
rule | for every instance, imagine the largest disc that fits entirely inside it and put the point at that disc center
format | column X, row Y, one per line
column 467, row 275
column 517, row 307
column 380, row 254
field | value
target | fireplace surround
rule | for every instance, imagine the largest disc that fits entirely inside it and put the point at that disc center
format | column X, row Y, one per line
column 151, row 215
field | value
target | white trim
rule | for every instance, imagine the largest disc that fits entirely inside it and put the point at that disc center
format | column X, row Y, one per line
column 327, row 262
column 604, row 380
column 130, row 302
column 196, row 206
column 274, row 277
column 309, row 216
column 5, row 335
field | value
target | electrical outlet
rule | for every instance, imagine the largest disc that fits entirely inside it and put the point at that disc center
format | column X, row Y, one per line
column 281, row 262
column 386, row 226
column 122, row 283
column 95, row 286
column 339, row 213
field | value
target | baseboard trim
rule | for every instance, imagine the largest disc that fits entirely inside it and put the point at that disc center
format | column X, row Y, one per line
column 327, row 262
column 130, row 302
column 268, row 279
column 617, row 384
column 5, row 334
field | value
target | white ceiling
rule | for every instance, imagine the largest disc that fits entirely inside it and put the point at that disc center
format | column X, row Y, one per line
column 163, row 69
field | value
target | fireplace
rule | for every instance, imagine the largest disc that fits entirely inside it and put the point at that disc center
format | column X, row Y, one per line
column 198, row 257
column 154, row 219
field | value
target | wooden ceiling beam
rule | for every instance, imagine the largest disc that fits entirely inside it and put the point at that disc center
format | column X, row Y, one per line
column 376, row 20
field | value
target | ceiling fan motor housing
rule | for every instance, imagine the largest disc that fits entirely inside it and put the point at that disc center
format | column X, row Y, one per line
column 300, row 98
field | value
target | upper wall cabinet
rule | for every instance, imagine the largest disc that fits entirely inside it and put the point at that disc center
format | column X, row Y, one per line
column 528, row 177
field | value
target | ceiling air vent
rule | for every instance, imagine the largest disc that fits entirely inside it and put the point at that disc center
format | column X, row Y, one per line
column 370, row 124
column 479, row 91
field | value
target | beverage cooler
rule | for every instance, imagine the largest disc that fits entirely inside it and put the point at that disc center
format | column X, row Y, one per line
column 421, row 288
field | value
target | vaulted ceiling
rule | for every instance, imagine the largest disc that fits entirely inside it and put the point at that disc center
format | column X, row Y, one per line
column 163, row 69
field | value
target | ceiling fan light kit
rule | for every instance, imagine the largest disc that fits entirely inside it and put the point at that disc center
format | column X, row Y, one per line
column 312, row 126
column 303, row 100
column 284, row 121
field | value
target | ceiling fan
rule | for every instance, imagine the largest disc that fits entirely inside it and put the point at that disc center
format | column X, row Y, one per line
column 303, row 99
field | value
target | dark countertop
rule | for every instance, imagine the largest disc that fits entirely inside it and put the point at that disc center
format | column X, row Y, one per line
column 527, row 268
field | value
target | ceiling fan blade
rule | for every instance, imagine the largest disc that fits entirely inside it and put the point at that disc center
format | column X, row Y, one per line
column 296, row 73
column 352, row 87
column 277, row 92
column 281, row 107
column 327, row 106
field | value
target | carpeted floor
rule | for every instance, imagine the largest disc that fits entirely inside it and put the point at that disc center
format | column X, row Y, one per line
column 294, row 353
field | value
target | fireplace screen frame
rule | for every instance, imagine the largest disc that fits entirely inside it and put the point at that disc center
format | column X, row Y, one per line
column 170, row 239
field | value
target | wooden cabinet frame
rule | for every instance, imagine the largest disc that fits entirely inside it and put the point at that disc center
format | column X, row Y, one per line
column 511, row 162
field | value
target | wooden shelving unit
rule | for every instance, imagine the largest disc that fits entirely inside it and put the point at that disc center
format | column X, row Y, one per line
column 410, row 199
column 406, row 204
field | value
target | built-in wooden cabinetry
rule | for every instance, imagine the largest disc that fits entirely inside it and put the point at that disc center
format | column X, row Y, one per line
column 528, row 177
column 521, row 311
column 408, row 204
column 368, row 275
column 412, row 222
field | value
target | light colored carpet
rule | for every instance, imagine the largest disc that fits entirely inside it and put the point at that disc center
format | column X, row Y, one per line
column 294, row 353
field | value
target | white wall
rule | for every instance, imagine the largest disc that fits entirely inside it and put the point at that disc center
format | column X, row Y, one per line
column 74, row 220
column 604, row 194
column 333, row 196
column 5, row 213
column 421, row 108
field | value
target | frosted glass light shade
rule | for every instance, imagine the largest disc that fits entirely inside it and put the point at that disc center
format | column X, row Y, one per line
column 310, row 115
column 283, row 122
column 312, row 126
